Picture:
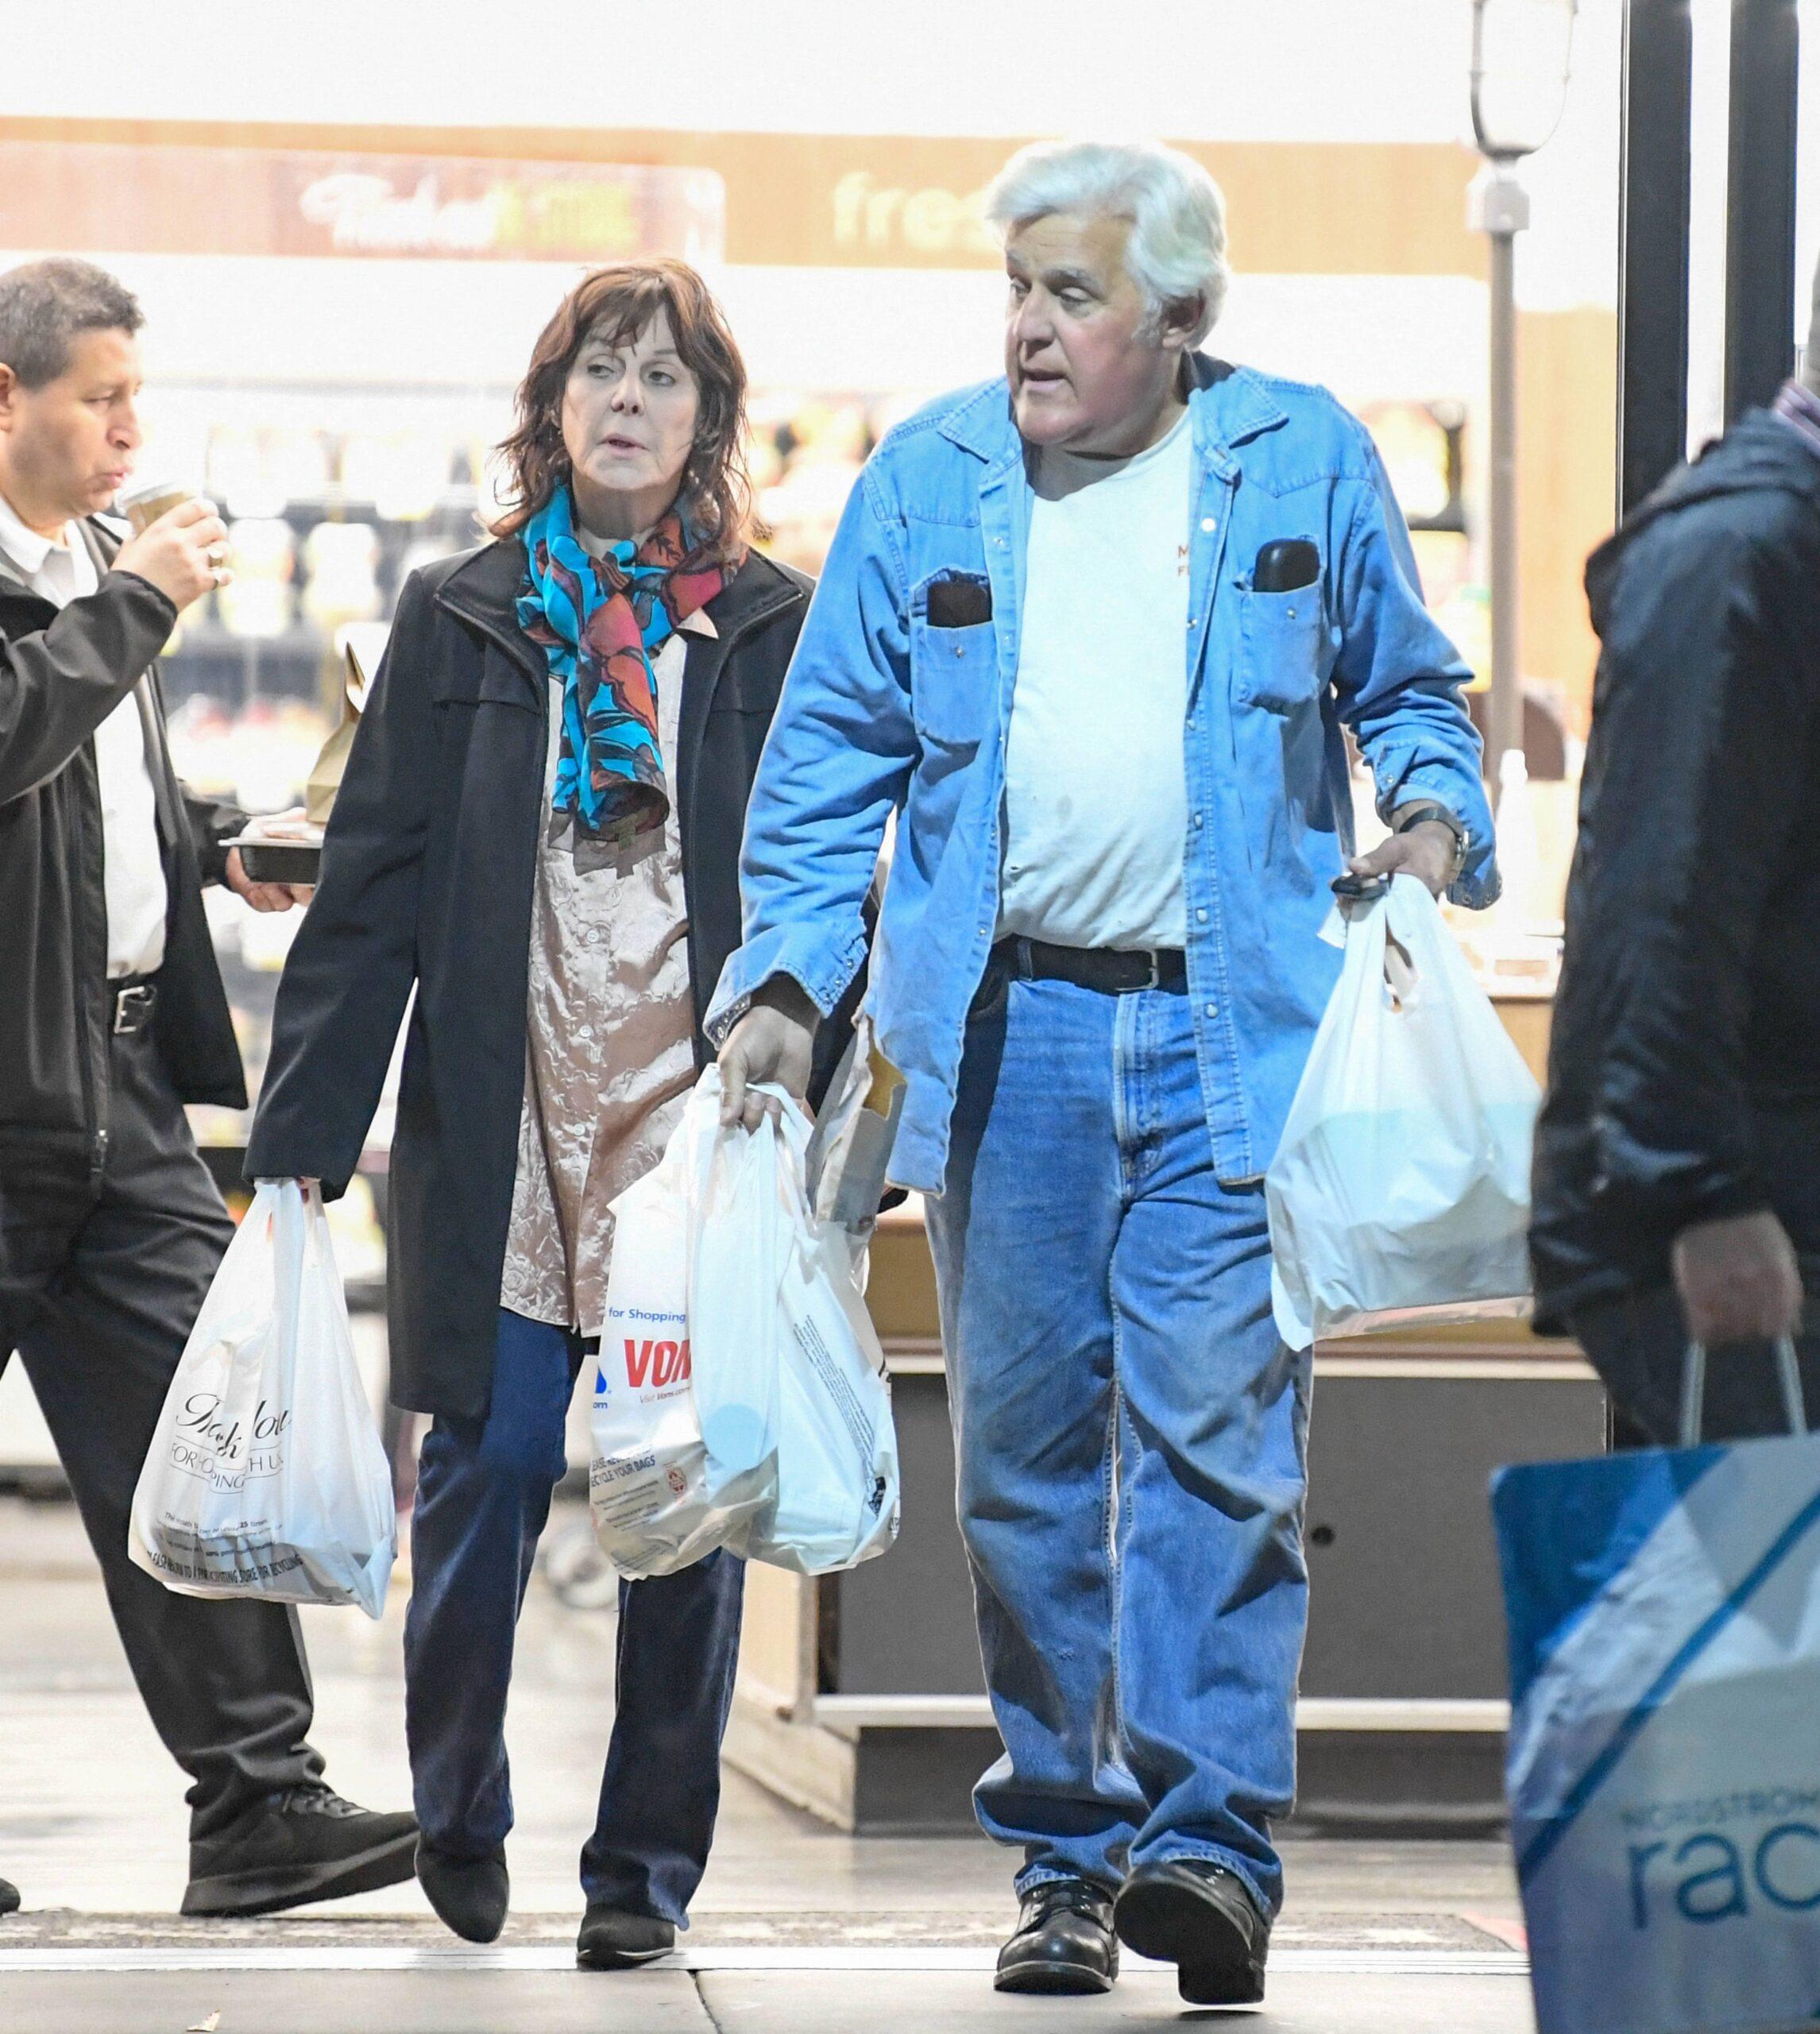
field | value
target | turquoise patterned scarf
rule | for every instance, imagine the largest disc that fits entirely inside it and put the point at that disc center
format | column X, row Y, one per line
column 599, row 622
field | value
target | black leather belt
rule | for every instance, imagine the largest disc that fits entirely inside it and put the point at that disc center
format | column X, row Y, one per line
column 134, row 999
column 1111, row 971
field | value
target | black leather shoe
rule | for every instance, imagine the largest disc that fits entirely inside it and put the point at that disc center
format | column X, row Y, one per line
column 1199, row 1917
column 305, row 1844
column 1063, row 1941
column 9, row 1897
column 612, row 1939
column 470, row 1895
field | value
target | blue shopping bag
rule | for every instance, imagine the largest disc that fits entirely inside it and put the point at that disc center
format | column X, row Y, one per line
column 1663, row 1766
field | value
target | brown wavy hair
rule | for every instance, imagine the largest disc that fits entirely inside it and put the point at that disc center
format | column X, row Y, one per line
column 619, row 302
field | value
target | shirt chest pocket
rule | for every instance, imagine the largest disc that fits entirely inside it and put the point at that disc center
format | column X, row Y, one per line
column 954, row 661
column 1285, row 650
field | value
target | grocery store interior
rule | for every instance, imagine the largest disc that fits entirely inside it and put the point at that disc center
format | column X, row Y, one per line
column 345, row 235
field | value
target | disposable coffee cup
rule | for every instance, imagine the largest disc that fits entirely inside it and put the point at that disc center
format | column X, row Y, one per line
column 143, row 505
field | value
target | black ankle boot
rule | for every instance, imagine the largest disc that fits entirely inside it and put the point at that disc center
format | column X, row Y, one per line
column 1198, row 1916
column 1063, row 1941
column 613, row 1939
column 470, row 1895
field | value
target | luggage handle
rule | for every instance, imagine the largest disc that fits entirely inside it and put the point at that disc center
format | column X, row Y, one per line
column 1693, row 1389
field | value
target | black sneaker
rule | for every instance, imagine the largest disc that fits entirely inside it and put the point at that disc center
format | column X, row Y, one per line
column 1063, row 1941
column 1198, row 1916
column 613, row 1939
column 305, row 1844
column 9, row 1897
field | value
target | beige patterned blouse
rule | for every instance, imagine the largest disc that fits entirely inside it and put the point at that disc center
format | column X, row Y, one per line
column 610, row 1057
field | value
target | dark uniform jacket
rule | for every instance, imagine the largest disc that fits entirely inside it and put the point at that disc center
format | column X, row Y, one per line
column 61, row 674
column 426, row 880
column 1684, row 1072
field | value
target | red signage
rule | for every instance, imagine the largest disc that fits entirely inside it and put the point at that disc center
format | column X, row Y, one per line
column 104, row 198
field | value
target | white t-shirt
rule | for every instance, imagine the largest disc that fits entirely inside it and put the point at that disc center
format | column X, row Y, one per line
column 133, row 865
column 1096, row 782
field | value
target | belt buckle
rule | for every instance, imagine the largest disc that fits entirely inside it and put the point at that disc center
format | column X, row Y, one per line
column 1156, row 976
column 131, row 1006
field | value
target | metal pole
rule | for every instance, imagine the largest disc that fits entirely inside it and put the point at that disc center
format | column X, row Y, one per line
column 1506, row 673
column 1652, row 277
column 1759, row 203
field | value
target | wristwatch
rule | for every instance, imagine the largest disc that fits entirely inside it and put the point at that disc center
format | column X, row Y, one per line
column 1421, row 811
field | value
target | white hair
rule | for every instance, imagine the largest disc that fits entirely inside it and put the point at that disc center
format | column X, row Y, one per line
column 1176, row 252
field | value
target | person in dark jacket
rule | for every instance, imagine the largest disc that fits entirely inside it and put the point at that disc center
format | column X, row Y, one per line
column 1677, row 1189
column 112, row 1016
column 539, row 827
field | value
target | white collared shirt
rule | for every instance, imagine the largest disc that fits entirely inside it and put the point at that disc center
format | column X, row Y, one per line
column 133, row 864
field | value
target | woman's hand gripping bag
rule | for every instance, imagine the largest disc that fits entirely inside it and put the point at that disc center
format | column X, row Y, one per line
column 681, row 1459
column 836, row 1497
column 265, row 1476
column 1400, row 1188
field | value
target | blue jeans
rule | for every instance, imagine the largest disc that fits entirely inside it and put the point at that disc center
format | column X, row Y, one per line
column 1131, row 1436
column 483, row 1496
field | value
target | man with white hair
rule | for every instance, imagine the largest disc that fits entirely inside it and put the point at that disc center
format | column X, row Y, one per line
column 1094, row 632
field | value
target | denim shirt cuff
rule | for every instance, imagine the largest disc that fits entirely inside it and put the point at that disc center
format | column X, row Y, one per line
column 1479, row 884
column 822, row 968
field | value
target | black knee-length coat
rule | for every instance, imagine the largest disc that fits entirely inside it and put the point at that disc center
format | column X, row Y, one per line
column 426, row 880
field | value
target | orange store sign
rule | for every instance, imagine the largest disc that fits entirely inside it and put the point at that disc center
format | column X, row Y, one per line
column 595, row 193
column 122, row 198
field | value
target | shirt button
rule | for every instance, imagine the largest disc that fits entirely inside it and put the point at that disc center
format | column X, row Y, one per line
column 1210, row 1009
column 960, row 651
column 1197, row 819
column 1207, row 523
column 1201, row 917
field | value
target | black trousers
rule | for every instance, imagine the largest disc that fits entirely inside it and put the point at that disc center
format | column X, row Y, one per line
column 1638, row 1344
column 100, row 1283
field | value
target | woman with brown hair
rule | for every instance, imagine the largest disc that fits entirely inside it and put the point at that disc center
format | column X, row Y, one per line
column 539, row 828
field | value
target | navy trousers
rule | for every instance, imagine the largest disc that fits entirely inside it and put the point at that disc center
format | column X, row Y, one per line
column 483, row 1496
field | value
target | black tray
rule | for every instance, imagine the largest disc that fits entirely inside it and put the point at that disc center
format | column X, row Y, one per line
column 280, row 861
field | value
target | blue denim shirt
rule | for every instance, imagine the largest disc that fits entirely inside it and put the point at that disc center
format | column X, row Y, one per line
column 884, row 712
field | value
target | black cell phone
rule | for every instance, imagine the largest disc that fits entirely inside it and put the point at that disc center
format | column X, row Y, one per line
column 281, row 861
column 1284, row 565
column 1361, row 889
column 960, row 603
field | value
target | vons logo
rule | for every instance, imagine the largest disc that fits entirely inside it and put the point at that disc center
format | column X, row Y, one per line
column 663, row 1363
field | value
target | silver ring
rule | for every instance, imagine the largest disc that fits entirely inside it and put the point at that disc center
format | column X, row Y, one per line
column 218, row 554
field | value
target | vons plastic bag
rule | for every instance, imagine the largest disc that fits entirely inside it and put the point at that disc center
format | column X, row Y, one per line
column 265, row 1476
column 740, row 1398
column 837, row 1501
column 1401, row 1184
column 676, row 1466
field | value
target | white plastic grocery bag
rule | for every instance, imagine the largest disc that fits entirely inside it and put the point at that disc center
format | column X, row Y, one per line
column 1664, row 1767
column 836, row 1498
column 1401, row 1184
column 265, row 1476
column 676, row 1465
column 739, row 1398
